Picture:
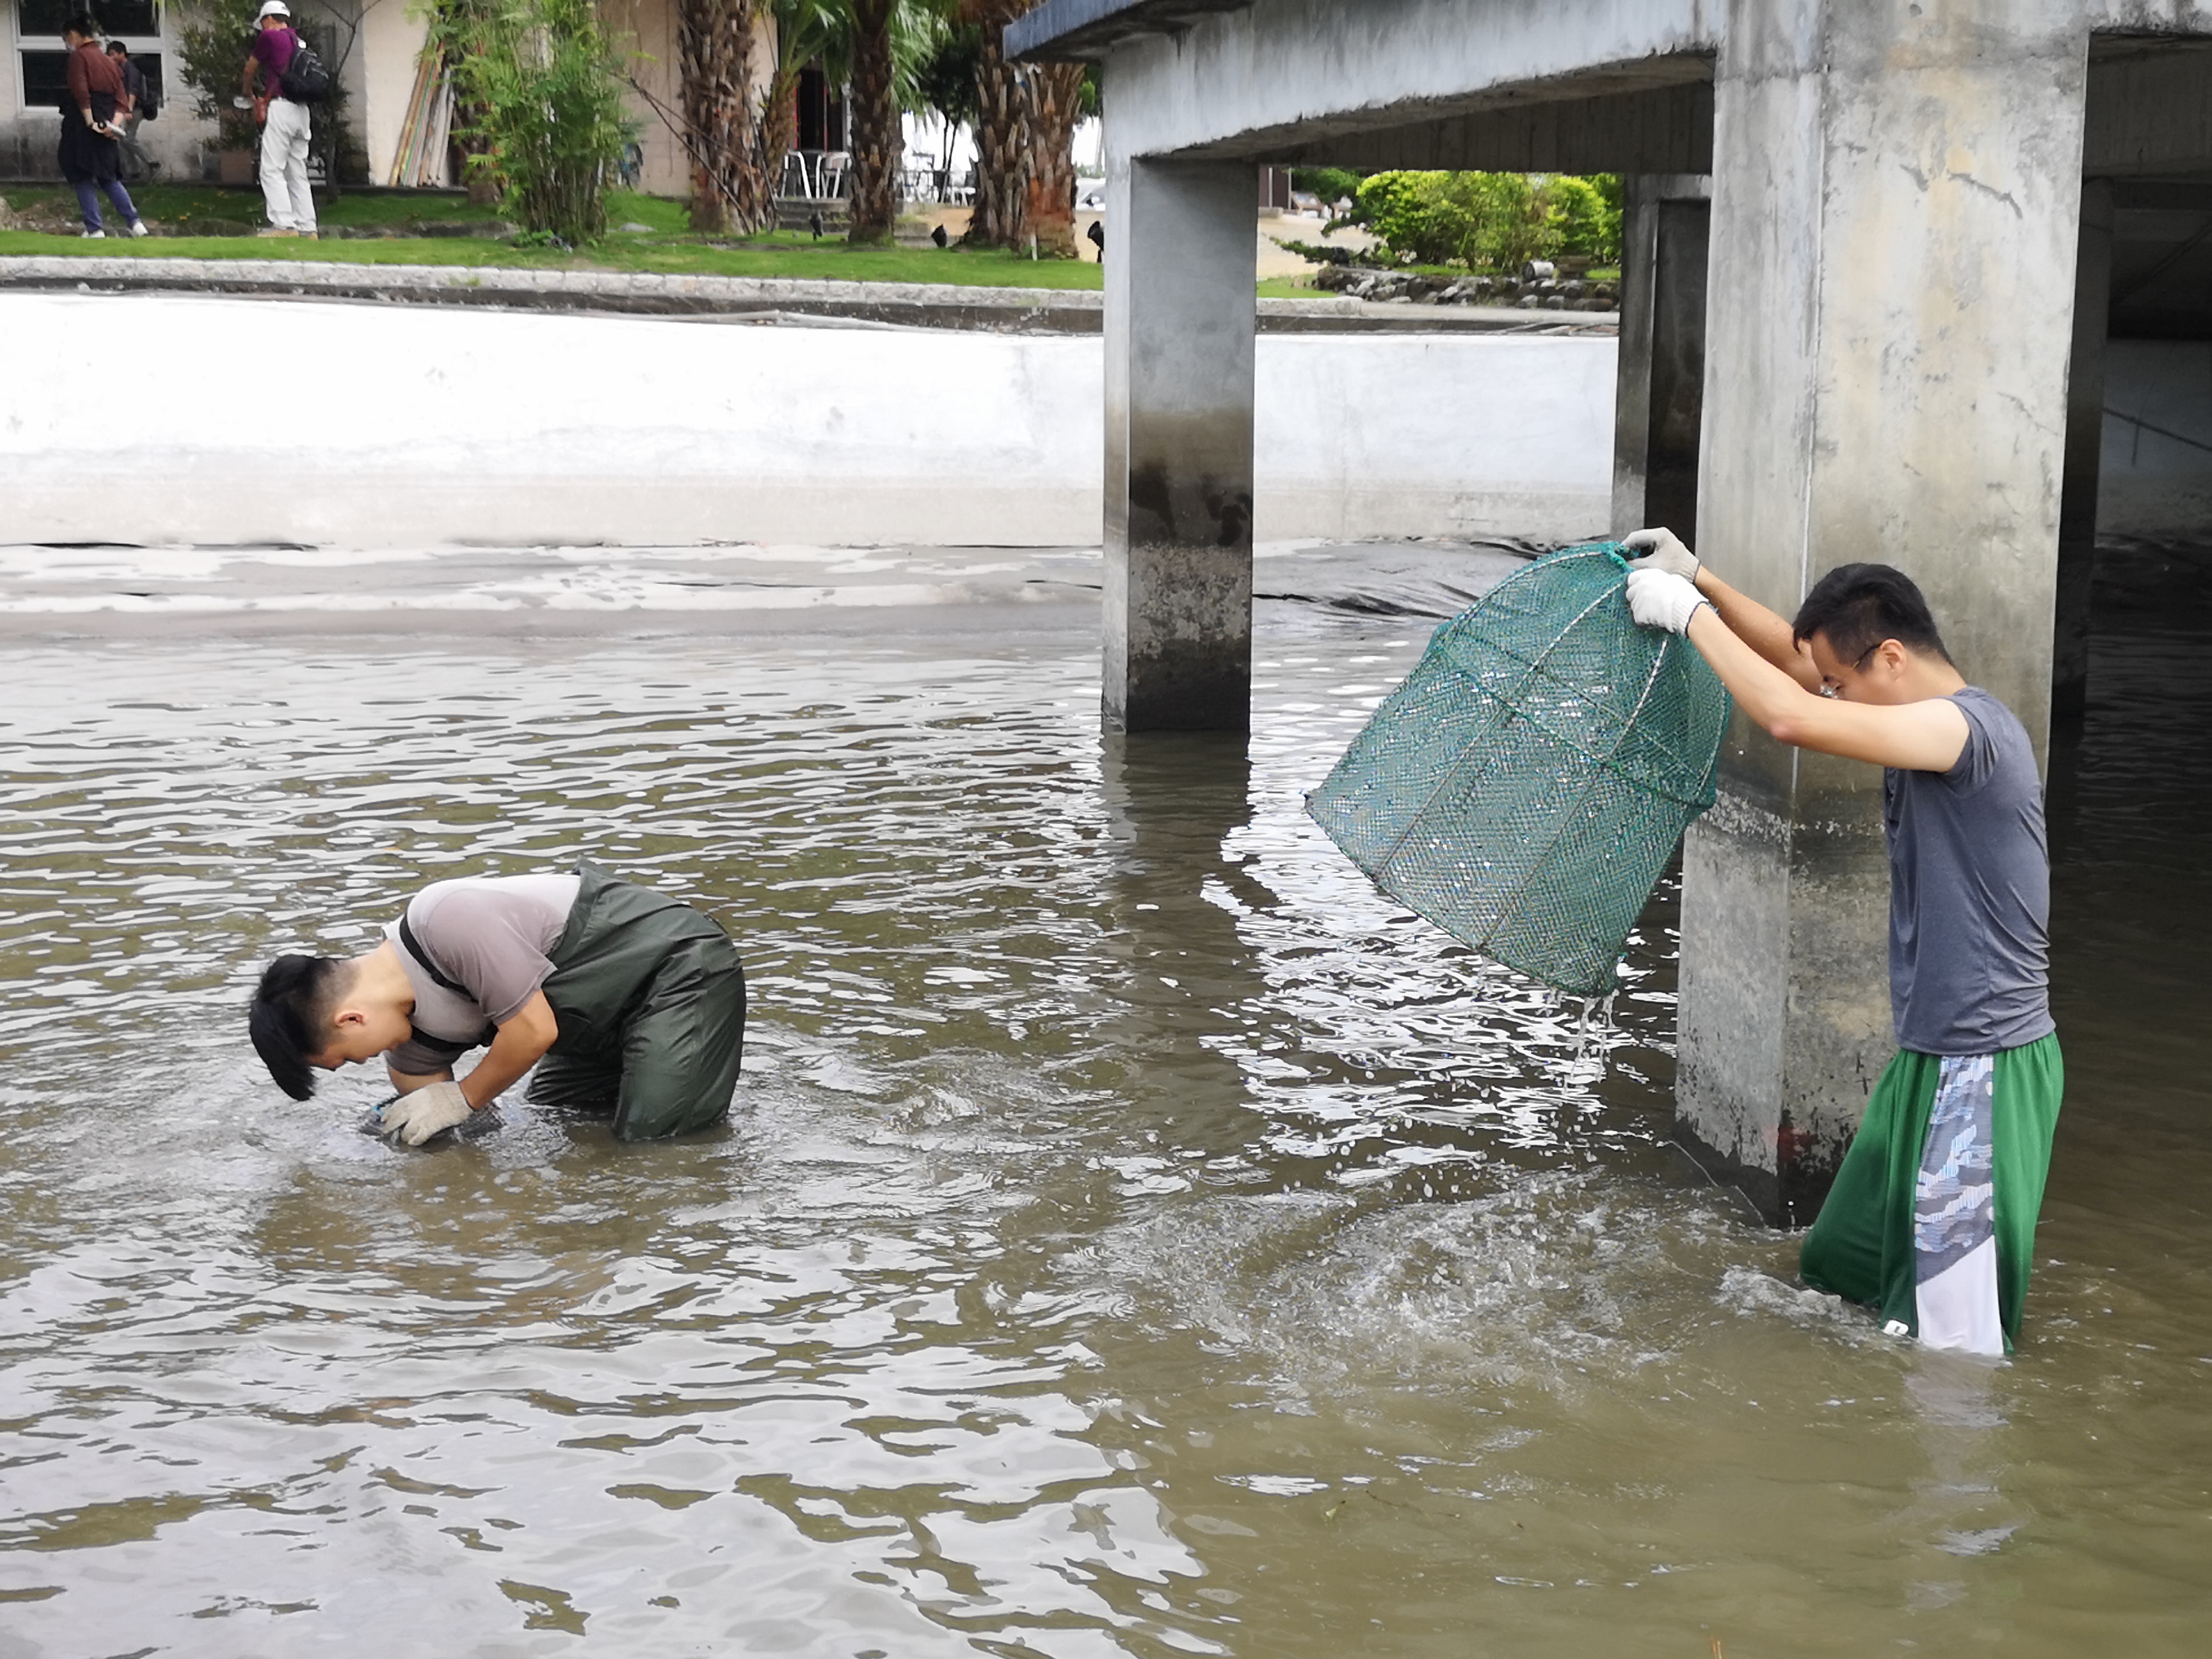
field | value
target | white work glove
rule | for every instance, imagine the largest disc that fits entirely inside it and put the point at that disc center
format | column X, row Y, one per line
column 1658, row 599
column 431, row 1110
column 1660, row 550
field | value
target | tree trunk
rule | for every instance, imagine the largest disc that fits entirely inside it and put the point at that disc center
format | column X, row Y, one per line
column 1055, row 105
column 714, row 41
column 1002, row 148
column 1024, row 141
column 779, row 130
column 878, row 136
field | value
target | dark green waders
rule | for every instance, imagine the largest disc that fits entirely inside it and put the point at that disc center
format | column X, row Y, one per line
column 651, row 1000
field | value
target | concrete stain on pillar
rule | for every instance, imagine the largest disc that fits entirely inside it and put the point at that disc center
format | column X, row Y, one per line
column 1184, row 540
column 1189, row 642
column 1203, row 511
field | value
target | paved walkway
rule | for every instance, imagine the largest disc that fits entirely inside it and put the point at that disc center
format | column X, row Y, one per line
column 736, row 299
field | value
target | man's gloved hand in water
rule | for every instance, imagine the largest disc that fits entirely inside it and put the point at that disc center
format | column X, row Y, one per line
column 431, row 1110
column 1658, row 599
column 1660, row 550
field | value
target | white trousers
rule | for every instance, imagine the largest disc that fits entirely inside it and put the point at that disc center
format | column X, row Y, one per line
column 284, row 167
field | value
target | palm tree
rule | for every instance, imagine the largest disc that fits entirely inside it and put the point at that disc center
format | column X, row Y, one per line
column 1001, row 128
column 894, row 43
column 715, row 42
column 1055, row 105
column 1024, row 140
column 878, row 136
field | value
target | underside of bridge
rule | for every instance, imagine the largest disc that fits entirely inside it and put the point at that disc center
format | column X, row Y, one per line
column 1885, row 267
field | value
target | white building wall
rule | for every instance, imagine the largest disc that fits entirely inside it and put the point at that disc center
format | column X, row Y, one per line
column 381, row 79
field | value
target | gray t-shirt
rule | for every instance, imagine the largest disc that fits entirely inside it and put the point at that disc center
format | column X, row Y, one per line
column 1970, row 892
column 492, row 935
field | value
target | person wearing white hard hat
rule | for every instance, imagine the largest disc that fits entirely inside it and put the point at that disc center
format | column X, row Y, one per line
column 284, row 123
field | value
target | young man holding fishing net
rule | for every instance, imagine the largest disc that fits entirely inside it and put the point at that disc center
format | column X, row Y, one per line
column 625, row 999
column 1932, row 1216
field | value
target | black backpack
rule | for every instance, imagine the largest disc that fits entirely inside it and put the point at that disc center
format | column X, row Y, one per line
column 305, row 80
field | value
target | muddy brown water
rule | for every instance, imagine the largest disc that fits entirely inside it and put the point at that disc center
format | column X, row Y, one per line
column 1135, row 1237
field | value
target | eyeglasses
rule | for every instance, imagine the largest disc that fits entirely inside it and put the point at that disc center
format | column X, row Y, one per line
column 1830, row 688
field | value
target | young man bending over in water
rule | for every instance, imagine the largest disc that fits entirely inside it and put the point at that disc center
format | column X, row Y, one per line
column 623, row 997
column 1932, row 1216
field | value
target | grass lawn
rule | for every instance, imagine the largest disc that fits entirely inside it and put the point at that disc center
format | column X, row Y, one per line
column 667, row 246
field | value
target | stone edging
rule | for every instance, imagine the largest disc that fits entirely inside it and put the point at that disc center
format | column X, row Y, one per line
column 1011, row 310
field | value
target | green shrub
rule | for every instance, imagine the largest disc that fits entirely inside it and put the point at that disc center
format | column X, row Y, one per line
column 1587, row 212
column 1331, row 184
column 213, row 37
column 542, row 88
column 1489, row 220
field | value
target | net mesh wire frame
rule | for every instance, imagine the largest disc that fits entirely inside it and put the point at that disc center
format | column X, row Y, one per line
column 1525, row 787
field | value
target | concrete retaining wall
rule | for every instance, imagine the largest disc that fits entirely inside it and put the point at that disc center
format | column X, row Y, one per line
column 419, row 427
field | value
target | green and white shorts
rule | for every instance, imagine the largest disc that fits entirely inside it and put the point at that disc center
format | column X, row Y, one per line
column 1932, row 1216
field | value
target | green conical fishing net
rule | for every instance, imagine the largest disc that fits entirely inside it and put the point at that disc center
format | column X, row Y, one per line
column 1525, row 787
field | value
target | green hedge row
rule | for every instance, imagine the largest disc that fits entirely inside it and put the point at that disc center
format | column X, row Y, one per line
column 1483, row 220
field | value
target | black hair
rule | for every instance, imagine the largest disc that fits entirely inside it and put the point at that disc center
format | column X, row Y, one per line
column 82, row 27
column 1859, row 605
column 117, row 49
column 290, row 1017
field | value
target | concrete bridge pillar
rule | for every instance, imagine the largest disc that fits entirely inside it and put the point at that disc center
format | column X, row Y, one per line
column 1180, row 319
column 2085, row 450
column 1896, row 198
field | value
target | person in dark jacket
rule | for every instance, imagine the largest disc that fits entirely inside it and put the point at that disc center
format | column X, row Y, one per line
column 625, row 999
column 137, row 166
column 91, row 153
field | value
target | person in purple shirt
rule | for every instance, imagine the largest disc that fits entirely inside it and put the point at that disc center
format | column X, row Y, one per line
column 1932, row 1216
column 285, row 126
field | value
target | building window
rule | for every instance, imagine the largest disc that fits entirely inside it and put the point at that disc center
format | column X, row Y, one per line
column 43, row 64
column 42, row 20
column 45, row 77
